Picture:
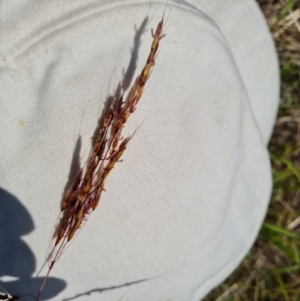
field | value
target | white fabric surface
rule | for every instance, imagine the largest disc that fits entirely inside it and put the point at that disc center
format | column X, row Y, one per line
column 185, row 206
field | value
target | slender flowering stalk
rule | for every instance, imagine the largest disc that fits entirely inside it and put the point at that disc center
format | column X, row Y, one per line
column 84, row 195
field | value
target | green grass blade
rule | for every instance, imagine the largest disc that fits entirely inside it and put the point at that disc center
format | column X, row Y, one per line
column 272, row 229
column 291, row 167
column 281, row 175
column 286, row 9
column 282, row 286
column 284, row 248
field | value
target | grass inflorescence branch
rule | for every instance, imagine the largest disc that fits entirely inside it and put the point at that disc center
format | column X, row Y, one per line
column 84, row 195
